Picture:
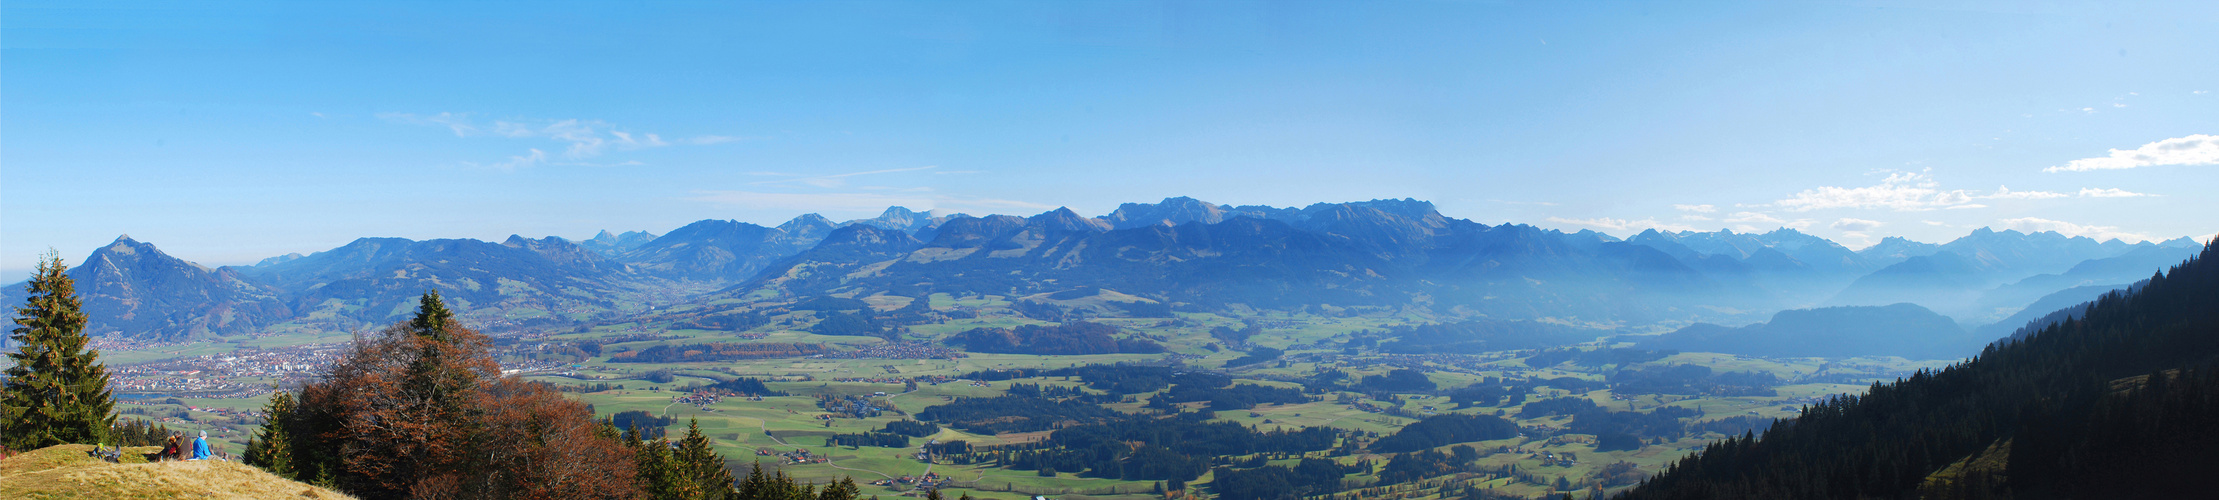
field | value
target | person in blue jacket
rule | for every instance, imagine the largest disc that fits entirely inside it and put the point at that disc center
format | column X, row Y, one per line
column 200, row 447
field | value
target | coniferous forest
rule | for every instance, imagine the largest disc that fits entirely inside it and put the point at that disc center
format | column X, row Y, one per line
column 2115, row 403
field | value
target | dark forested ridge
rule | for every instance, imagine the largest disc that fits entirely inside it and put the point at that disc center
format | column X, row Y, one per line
column 2115, row 403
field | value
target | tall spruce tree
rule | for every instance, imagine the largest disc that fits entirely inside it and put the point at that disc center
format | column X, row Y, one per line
column 701, row 463
column 57, row 392
column 273, row 449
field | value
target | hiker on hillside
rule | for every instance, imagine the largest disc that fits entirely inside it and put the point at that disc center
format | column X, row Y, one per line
column 200, row 447
column 170, row 452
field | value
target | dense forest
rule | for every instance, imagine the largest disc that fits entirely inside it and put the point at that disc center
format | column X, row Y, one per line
column 1014, row 414
column 1443, row 430
column 2116, row 403
column 1176, row 449
column 1077, row 337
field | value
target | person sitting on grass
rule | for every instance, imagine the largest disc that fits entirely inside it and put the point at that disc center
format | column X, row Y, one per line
column 200, row 447
column 169, row 452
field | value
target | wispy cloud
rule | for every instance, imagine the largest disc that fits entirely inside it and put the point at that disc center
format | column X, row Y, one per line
column 1703, row 209
column 2111, row 193
column 871, row 202
column 1855, row 225
column 2031, row 224
column 580, row 139
column 837, row 180
column 1903, row 192
column 1623, row 224
column 532, row 159
column 2005, row 193
column 2199, row 149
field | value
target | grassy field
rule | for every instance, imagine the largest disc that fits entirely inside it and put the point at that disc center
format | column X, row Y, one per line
column 740, row 427
column 66, row 471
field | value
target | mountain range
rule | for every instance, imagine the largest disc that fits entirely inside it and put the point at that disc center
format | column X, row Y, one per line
column 1339, row 258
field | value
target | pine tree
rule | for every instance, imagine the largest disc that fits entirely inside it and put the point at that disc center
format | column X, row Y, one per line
column 659, row 476
column 432, row 317
column 844, row 489
column 701, row 463
column 57, row 392
column 275, row 452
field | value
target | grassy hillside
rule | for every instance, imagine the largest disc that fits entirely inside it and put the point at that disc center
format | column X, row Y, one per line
column 65, row 471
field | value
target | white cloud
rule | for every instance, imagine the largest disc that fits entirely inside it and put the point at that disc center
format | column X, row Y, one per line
column 2005, row 192
column 1694, row 217
column 1903, row 192
column 1935, row 223
column 582, row 139
column 523, row 161
column 2032, row 225
column 1855, row 225
column 1696, row 208
column 2110, row 193
column 1622, row 224
column 2198, row 149
column 868, row 203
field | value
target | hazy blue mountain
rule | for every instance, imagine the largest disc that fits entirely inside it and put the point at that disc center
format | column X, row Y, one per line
column 2013, row 255
column 610, row 244
column 898, row 219
column 2045, row 311
column 1955, row 278
column 1169, row 212
column 724, row 251
column 132, row 289
column 1942, row 281
column 821, row 268
column 1794, row 268
column 1895, row 249
column 2137, row 264
column 1063, row 219
column 1380, row 254
column 278, row 259
column 377, row 280
column 1905, row 330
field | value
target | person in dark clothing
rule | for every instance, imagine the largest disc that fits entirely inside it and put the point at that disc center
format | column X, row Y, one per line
column 171, row 452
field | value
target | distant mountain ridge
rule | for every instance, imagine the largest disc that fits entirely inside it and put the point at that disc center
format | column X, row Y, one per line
column 1905, row 330
column 1378, row 254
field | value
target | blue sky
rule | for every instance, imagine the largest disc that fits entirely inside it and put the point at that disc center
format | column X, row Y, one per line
column 226, row 132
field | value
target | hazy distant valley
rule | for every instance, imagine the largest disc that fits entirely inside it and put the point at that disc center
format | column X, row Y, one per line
column 1604, row 359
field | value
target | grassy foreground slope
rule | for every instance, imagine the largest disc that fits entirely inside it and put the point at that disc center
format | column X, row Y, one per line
column 65, row 471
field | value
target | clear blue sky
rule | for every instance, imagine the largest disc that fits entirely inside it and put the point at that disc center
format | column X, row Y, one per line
column 225, row 132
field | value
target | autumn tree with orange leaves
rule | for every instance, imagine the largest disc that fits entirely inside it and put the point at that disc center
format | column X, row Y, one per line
column 420, row 410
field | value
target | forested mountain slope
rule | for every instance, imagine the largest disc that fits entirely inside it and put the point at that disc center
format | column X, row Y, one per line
column 2122, row 402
